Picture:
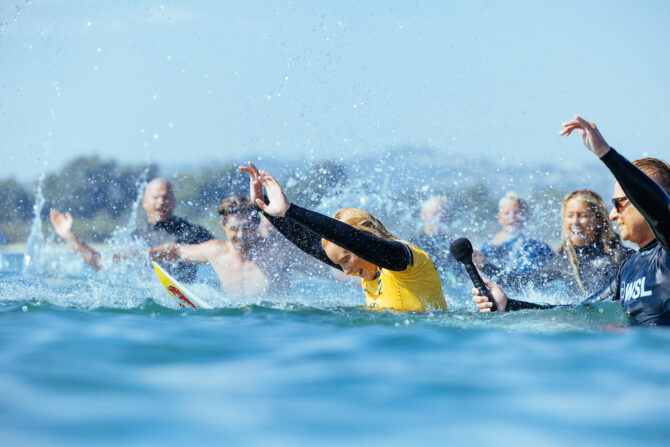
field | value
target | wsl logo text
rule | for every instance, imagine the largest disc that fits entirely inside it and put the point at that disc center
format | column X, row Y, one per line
column 634, row 289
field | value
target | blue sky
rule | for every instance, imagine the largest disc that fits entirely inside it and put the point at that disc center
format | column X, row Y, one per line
column 200, row 82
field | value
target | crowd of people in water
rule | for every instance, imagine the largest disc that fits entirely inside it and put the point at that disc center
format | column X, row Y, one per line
column 269, row 238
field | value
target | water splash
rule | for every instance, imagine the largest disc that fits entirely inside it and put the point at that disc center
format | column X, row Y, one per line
column 122, row 235
column 36, row 238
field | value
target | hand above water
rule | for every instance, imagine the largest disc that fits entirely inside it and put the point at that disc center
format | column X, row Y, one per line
column 255, row 186
column 279, row 204
column 589, row 133
column 62, row 223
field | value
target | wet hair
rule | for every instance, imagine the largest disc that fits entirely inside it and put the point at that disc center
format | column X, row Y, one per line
column 515, row 198
column 657, row 169
column 364, row 221
column 238, row 205
column 605, row 235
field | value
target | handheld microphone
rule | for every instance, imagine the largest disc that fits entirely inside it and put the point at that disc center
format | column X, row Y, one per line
column 461, row 249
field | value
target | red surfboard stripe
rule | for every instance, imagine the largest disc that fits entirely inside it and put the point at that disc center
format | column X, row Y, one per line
column 175, row 292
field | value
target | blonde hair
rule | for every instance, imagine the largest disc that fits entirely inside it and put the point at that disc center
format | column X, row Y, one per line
column 514, row 197
column 361, row 220
column 604, row 232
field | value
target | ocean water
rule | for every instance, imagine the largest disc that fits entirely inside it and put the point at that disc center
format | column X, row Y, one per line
column 110, row 359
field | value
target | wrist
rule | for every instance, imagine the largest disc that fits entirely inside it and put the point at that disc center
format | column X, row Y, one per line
column 602, row 151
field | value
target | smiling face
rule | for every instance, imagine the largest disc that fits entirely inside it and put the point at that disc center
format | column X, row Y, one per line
column 632, row 224
column 350, row 263
column 158, row 200
column 511, row 216
column 579, row 222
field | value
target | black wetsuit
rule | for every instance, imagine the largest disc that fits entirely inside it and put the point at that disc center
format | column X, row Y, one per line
column 642, row 283
column 177, row 230
column 594, row 264
column 306, row 228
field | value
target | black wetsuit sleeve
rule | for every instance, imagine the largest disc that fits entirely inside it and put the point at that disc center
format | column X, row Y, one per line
column 644, row 193
column 608, row 292
column 519, row 305
column 390, row 255
column 302, row 238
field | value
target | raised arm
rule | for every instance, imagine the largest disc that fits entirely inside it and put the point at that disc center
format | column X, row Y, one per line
column 301, row 237
column 647, row 196
column 194, row 253
column 391, row 255
column 62, row 223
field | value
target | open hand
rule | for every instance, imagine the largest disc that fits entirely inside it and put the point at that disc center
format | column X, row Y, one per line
column 255, row 186
column 62, row 223
column 589, row 133
column 498, row 294
column 278, row 203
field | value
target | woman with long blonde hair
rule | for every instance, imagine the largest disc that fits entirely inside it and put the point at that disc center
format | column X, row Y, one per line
column 394, row 274
column 590, row 250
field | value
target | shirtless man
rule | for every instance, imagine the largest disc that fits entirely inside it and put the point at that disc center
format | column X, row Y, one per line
column 158, row 201
column 247, row 263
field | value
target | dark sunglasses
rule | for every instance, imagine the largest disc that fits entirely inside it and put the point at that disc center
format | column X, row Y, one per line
column 619, row 203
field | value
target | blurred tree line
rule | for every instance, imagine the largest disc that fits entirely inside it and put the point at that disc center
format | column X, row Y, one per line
column 100, row 195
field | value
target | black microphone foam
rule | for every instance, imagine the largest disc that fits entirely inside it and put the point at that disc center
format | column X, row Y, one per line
column 461, row 249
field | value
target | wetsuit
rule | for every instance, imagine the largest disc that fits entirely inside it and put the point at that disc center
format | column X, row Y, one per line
column 407, row 279
column 177, row 230
column 642, row 283
column 593, row 263
column 519, row 254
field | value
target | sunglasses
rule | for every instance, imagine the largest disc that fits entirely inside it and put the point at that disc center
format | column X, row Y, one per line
column 620, row 203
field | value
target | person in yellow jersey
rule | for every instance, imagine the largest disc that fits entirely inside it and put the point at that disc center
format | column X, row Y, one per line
column 395, row 274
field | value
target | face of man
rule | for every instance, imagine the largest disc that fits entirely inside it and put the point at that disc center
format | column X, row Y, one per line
column 632, row 224
column 158, row 200
column 240, row 230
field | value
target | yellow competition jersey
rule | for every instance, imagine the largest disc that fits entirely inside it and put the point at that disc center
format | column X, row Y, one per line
column 417, row 288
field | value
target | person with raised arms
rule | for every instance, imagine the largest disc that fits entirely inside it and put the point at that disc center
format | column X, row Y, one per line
column 159, row 202
column 642, row 211
column 394, row 274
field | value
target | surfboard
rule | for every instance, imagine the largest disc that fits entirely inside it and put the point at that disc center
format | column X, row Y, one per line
column 185, row 297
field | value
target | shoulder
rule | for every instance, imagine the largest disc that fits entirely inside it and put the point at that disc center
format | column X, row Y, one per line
column 415, row 255
column 196, row 231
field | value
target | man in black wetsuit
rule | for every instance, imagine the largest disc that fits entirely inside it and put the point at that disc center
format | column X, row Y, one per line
column 642, row 211
column 163, row 227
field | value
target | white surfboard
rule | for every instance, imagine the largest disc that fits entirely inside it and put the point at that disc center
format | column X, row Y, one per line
column 185, row 297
